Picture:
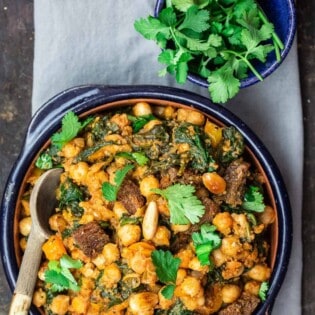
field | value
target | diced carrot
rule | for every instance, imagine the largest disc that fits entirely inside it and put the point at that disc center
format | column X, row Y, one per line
column 54, row 248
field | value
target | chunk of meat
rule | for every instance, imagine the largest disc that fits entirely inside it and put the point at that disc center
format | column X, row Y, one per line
column 170, row 177
column 235, row 176
column 245, row 305
column 180, row 241
column 130, row 196
column 211, row 209
column 90, row 238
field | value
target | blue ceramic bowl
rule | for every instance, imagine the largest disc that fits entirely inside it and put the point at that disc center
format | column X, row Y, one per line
column 90, row 99
column 282, row 14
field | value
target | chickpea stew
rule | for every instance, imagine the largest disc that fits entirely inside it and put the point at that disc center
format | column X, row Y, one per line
column 160, row 211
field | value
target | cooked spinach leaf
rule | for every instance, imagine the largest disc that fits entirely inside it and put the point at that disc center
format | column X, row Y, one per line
column 70, row 197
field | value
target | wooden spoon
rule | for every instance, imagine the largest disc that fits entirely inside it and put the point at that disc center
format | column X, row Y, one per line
column 42, row 204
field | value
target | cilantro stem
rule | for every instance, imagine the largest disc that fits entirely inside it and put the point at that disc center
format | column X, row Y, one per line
column 250, row 66
column 274, row 35
column 277, row 50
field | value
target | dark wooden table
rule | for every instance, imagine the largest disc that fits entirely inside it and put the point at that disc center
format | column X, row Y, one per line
column 16, row 61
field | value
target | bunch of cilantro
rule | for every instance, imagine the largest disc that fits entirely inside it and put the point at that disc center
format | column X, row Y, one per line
column 220, row 40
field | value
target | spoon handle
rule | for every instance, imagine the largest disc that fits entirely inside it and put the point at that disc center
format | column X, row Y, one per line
column 23, row 293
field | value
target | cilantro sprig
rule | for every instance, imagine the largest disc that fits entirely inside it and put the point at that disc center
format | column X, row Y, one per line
column 109, row 190
column 59, row 275
column 139, row 157
column 140, row 121
column 263, row 290
column 205, row 242
column 253, row 200
column 221, row 41
column 71, row 126
column 184, row 206
column 166, row 269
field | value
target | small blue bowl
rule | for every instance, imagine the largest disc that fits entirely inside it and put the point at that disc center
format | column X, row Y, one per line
column 282, row 13
column 86, row 100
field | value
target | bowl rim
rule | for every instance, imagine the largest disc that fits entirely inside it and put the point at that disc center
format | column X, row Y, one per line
column 246, row 82
column 83, row 98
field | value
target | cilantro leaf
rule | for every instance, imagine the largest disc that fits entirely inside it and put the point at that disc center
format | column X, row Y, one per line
column 168, row 17
column 149, row 28
column 184, row 206
column 68, row 262
column 196, row 20
column 140, row 121
column 168, row 291
column 71, row 126
column 166, row 269
column 263, row 290
column 223, row 84
column 253, row 200
column 184, row 5
column 138, row 157
column 59, row 275
column 44, row 162
column 110, row 191
column 205, row 242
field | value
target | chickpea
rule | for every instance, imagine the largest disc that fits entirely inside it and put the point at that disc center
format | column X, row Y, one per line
column 163, row 206
column 147, row 184
column 164, row 303
column 215, row 183
column 72, row 148
column 176, row 228
column 218, row 257
column 142, row 109
column 195, row 265
column 166, row 112
column 230, row 293
column 189, row 287
column 111, row 253
column 143, row 302
column 193, row 303
column 23, row 243
column 25, row 226
column 119, row 209
column 232, row 269
column 181, row 275
column 57, row 222
column 60, row 304
column 26, row 212
column 224, row 222
column 240, row 225
column 129, row 234
column 268, row 216
column 39, row 298
column 259, row 273
column 252, row 287
column 231, row 246
column 78, row 172
column 88, row 270
column 99, row 261
column 190, row 116
column 149, row 276
column 138, row 262
column 185, row 255
column 162, row 236
column 111, row 276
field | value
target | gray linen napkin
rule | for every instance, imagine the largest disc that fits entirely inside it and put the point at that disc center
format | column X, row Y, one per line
column 81, row 42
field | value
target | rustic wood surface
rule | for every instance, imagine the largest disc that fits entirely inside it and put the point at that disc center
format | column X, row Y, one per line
column 16, row 57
